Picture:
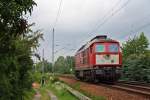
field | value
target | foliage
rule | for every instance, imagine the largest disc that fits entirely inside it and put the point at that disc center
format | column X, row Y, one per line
column 36, row 77
column 136, row 59
column 54, row 79
column 53, row 85
column 12, row 22
column 17, row 42
column 28, row 95
column 15, row 67
column 64, row 65
column 137, row 68
column 77, row 86
column 44, row 94
column 60, row 92
column 137, row 45
column 43, row 66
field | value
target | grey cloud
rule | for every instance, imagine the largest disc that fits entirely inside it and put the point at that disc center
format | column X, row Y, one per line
column 79, row 17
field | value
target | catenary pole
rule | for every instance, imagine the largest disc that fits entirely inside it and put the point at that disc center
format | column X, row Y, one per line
column 43, row 63
column 53, row 50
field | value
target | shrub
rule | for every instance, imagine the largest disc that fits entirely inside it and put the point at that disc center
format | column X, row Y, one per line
column 54, row 79
column 137, row 68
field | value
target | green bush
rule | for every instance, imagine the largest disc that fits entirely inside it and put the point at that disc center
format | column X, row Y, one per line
column 54, row 79
column 137, row 68
column 37, row 77
column 28, row 95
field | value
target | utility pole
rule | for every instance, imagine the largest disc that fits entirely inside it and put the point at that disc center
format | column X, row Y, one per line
column 43, row 63
column 43, row 80
column 53, row 50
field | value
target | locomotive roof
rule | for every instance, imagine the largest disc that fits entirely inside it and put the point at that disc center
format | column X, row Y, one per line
column 100, row 38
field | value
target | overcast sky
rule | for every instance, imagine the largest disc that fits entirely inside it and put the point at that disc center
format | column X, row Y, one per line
column 119, row 19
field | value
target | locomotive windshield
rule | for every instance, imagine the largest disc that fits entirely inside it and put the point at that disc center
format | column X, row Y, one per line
column 100, row 48
column 113, row 48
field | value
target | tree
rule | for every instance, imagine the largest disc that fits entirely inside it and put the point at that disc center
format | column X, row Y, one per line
column 137, row 45
column 137, row 68
column 12, row 22
column 64, row 65
column 136, row 59
column 47, row 66
column 17, row 43
column 59, row 65
column 70, row 64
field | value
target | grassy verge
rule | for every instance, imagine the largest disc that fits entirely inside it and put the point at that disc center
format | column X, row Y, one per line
column 76, row 86
column 44, row 94
column 53, row 85
column 60, row 92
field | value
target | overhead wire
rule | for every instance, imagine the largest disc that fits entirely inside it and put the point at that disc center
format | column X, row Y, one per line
column 58, row 13
column 110, row 16
column 142, row 27
column 103, row 18
column 136, row 30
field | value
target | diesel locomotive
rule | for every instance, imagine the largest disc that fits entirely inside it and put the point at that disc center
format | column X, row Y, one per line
column 100, row 59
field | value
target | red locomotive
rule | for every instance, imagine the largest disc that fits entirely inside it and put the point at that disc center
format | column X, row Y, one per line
column 99, row 60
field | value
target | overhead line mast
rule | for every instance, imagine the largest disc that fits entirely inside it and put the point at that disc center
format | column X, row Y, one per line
column 53, row 50
column 53, row 34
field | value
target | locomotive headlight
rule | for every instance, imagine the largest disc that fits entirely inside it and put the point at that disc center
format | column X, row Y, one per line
column 112, row 61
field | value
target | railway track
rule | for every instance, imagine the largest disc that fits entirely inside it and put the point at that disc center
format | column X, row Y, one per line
column 132, row 87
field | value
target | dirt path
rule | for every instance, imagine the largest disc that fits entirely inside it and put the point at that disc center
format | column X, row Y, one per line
column 37, row 95
column 110, row 94
column 51, row 95
column 36, row 86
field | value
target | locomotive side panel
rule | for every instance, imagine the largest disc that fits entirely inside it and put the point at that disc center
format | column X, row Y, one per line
column 82, row 60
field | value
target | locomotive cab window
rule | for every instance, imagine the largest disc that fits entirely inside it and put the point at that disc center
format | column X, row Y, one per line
column 113, row 48
column 99, row 48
